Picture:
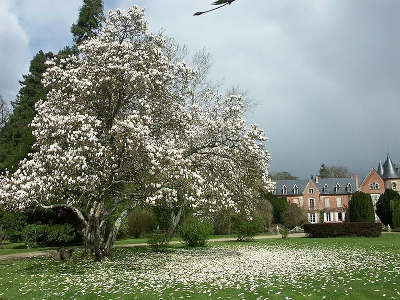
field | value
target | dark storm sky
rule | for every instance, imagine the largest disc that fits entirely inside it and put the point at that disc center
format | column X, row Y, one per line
column 324, row 73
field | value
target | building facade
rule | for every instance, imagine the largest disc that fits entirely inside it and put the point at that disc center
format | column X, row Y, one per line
column 326, row 198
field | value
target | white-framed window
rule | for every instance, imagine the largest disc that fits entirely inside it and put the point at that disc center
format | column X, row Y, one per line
column 337, row 187
column 394, row 185
column 325, row 188
column 340, row 216
column 312, row 203
column 327, row 202
column 374, row 186
column 295, row 189
column 311, row 191
column 312, row 218
column 349, row 188
column 296, row 201
column 284, row 190
column 338, row 202
column 328, row 217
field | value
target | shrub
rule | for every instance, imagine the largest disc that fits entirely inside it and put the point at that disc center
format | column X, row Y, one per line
column 294, row 216
column 3, row 235
column 361, row 208
column 384, row 206
column 140, row 221
column 343, row 229
column 35, row 235
column 246, row 229
column 284, row 232
column 158, row 241
column 60, row 235
column 195, row 232
column 13, row 223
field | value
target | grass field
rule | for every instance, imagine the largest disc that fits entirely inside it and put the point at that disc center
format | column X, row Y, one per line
column 297, row 268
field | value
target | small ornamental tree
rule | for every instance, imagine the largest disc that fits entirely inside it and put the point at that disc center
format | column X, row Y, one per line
column 361, row 208
column 294, row 216
column 124, row 125
column 279, row 205
column 384, row 206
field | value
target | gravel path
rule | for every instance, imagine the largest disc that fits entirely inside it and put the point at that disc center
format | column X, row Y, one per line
column 48, row 252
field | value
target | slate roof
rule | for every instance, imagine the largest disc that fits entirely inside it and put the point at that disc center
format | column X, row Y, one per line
column 389, row 171
column 330, row 184
column 301, row 184
column 380, row 169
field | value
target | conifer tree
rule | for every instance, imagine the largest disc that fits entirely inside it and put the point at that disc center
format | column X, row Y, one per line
column 89, row 21
column 361, row 208
column 385, row 205
column 16, row 137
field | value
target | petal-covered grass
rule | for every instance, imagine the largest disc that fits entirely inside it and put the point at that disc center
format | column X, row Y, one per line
column 341, row 268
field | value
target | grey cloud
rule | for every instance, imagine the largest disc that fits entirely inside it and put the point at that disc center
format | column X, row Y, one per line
column 324, row 73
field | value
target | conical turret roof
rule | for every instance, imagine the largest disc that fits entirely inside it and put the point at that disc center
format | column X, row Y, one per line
column 389, row 171
column 380, row 169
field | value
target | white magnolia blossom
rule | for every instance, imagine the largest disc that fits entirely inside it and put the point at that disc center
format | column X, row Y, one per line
column 123, row 124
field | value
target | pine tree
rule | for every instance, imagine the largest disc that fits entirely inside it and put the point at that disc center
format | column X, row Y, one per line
column 89, row 22
column 16, row 137
column 361, row 208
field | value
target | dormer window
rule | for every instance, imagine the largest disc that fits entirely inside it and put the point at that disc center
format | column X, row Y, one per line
column 295, row 189
column 349, row 188
column 337, row 187
column 325, row 188
column 284, row 190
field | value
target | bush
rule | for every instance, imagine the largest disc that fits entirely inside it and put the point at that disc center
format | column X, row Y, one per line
column 140, row 221
column 246, row 229
column 361, row 208
column 35, row 235
column 3, row 235
column 13, row 223
column 284, row 232
column 158, row 241
column 195, row 232
column 45, row 235
column 294, row 216
column 343, row 229
column 60, row 235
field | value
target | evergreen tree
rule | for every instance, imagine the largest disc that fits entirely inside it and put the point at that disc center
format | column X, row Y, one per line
column 385, row 205
column 16, row 137
column 324, row 171
column 361, row 208
column 89, row 22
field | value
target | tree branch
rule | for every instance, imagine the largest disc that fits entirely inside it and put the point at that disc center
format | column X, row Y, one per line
column 66, row 206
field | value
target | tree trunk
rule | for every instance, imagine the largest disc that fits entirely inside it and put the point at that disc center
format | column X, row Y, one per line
column 175, row 218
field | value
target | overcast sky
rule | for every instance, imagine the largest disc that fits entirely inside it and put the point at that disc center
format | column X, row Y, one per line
column 324, row 73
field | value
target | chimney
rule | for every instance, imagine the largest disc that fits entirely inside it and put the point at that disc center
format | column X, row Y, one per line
column 356, row 180
column 316, row 179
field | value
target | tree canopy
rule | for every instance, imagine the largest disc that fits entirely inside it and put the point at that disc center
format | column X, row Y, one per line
column 283, row 175
column 334, row 172
column 89, row 21
column 123, row 124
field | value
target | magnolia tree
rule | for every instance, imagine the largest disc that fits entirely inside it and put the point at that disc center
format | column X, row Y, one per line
column 124, row 124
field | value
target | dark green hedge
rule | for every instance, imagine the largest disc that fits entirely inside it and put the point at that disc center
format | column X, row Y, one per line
column 343, row 229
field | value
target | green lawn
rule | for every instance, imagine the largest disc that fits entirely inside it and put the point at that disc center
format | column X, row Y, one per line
column 296, row 268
